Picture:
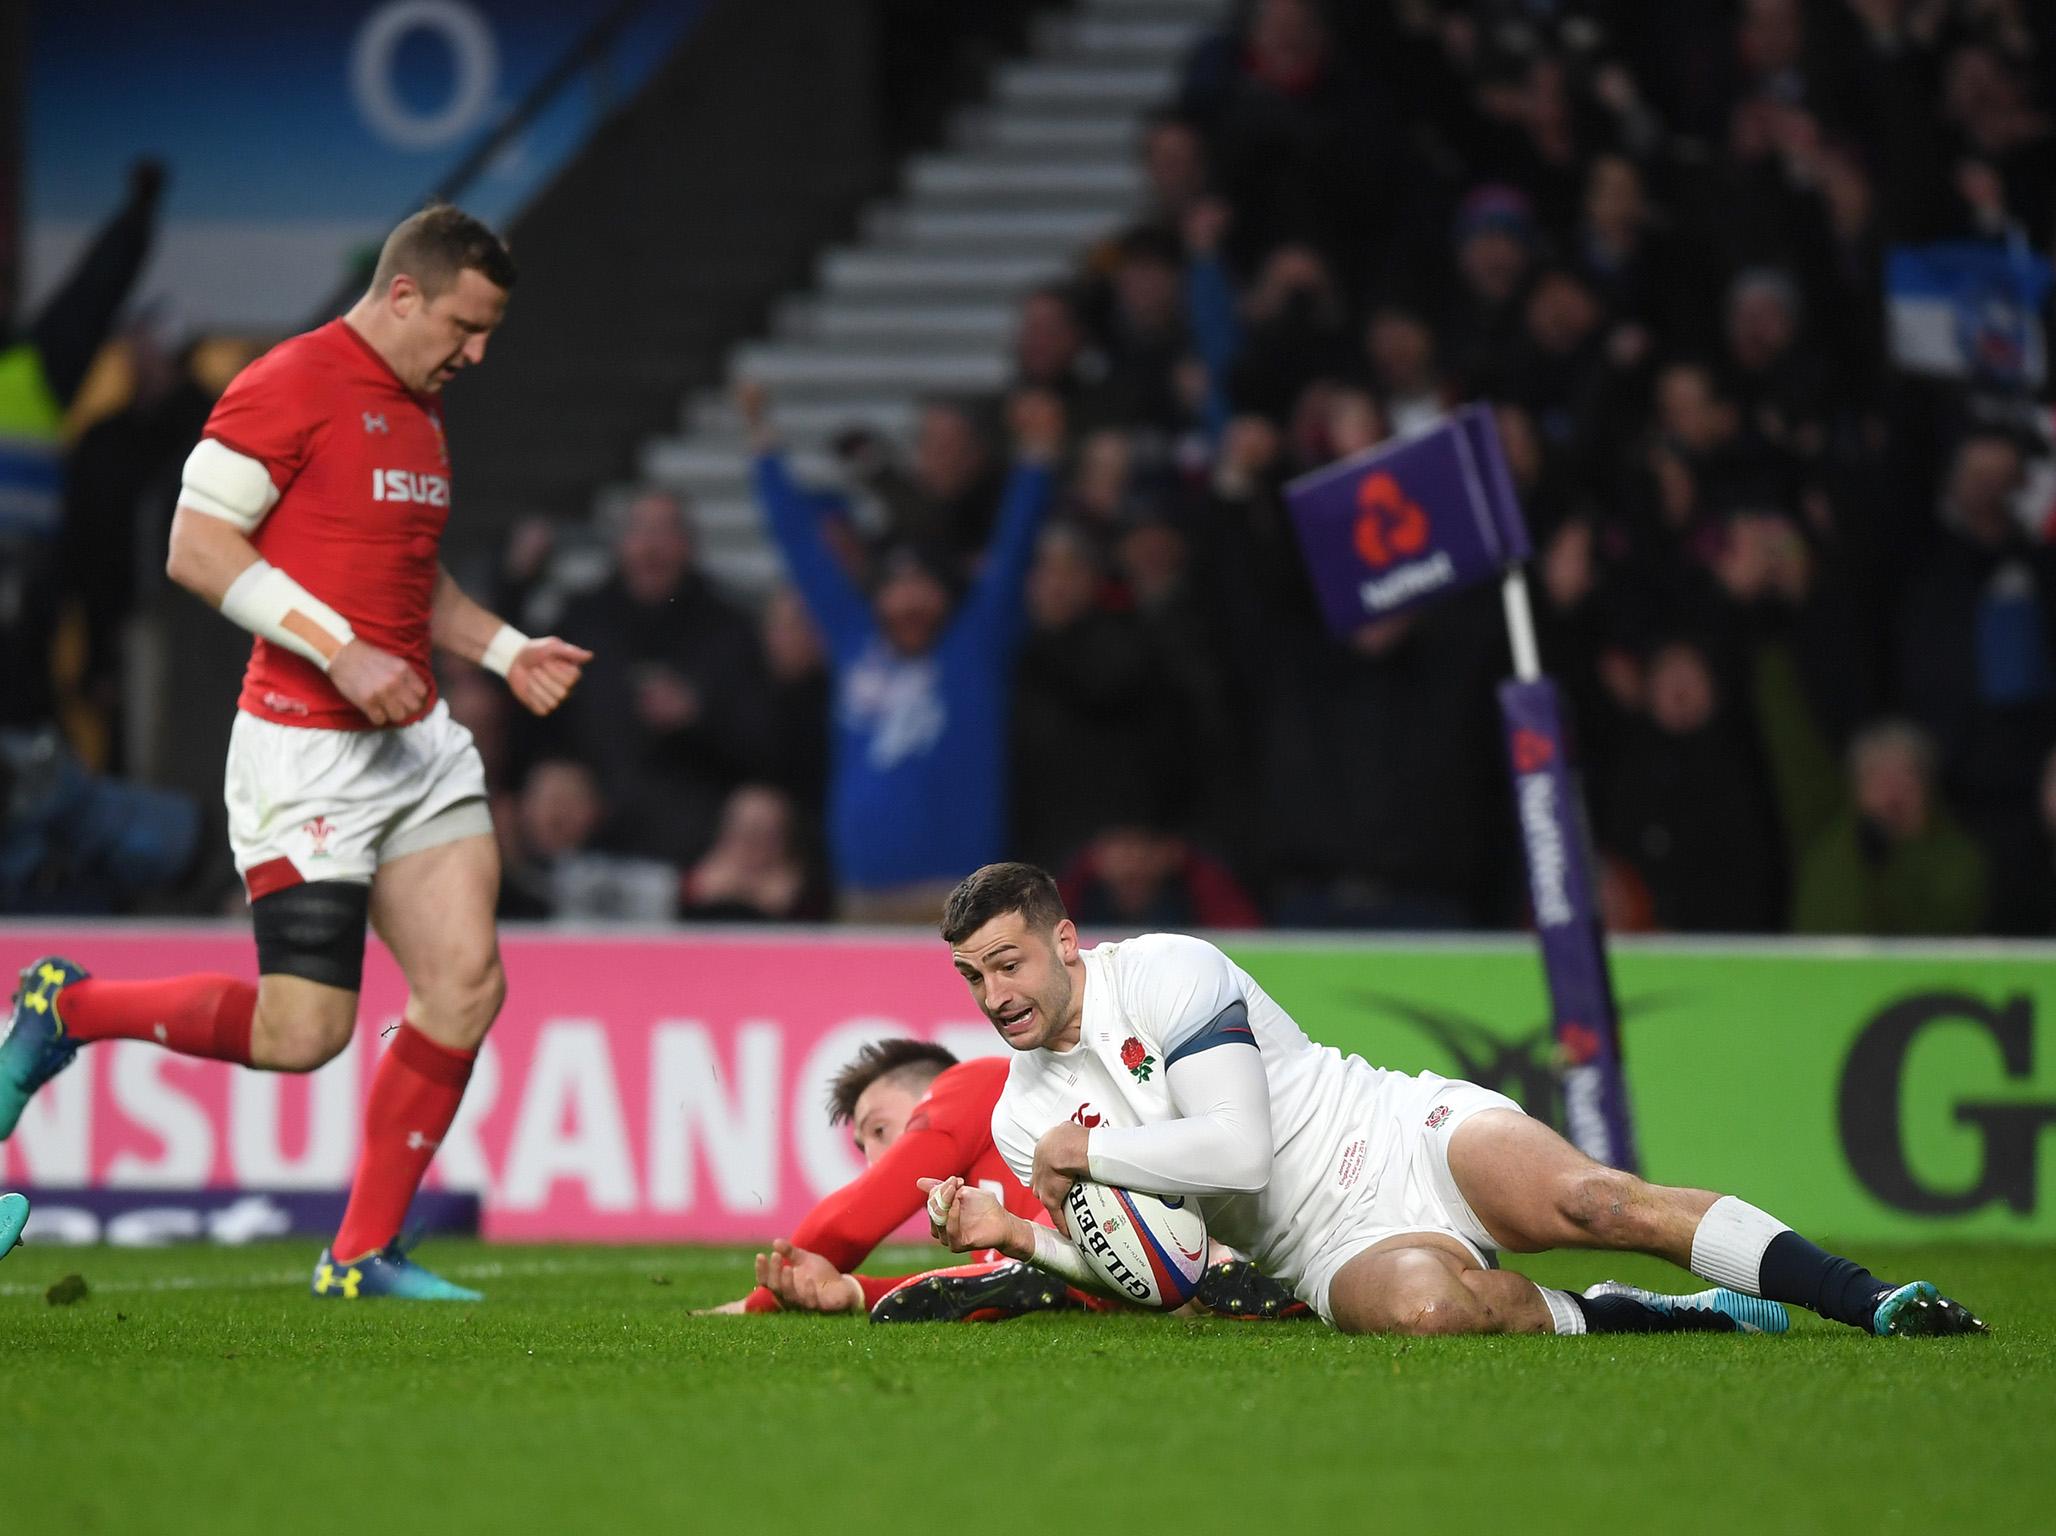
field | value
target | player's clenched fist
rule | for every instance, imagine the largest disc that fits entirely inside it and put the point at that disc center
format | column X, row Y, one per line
column 963, row 1218
column 544, row 672
column 379, row 683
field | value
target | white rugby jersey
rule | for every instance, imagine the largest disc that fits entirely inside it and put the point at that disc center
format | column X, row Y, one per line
column 1153, row 1001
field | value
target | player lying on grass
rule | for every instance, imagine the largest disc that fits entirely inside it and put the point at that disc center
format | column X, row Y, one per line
column 312, row 514
column 915, row 1111
column 1380, row 1197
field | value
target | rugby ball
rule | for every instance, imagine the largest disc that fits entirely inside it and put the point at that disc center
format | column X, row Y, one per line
column 1149, row 1248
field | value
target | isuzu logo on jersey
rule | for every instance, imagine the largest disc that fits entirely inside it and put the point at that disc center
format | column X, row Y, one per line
column 406, row 485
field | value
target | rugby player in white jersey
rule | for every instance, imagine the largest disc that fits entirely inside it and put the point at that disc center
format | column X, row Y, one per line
column 1381, row 1197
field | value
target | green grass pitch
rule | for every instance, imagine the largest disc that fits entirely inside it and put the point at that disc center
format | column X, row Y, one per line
column 203, row 1390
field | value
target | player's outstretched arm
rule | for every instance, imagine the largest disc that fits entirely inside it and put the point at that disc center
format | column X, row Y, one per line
column 846, row 1225
column 794, row 518
column 1037, row 418
column 213, row 558
column 806, row 1282
column 540, row 673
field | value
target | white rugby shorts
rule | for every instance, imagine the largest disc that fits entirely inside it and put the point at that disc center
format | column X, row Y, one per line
column 1388, row 1174
column 307, row 804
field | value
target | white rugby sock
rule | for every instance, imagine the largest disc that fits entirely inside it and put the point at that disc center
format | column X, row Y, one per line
column 1564, row 1312
column 1728, row 1246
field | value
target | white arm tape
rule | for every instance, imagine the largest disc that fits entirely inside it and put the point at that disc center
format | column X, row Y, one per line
column 268, row 602
column 1058, row 1255
column 225, row 484
column 505, row 646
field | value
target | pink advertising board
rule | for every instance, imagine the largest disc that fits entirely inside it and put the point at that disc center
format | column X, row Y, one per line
column 636, row 1088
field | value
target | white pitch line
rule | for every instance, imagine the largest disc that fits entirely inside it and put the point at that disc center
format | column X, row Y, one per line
column 494, row 1270
column 685, row 1259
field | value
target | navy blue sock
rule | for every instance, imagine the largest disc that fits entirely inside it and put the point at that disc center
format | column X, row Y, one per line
column 1795, row 1270
column 1624, row 1314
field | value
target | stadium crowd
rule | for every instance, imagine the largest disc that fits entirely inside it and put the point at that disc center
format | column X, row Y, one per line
column 1803, row 598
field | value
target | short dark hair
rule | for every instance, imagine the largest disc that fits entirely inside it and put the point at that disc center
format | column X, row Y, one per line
column 987, row 893
column 882, row 1058
column 436, row 244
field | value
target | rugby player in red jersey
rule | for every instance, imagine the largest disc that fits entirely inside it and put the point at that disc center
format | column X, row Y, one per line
column 913, row 1108
column 312, row 515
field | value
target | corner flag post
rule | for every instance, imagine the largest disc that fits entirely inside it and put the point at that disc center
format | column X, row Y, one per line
column 1403, row 525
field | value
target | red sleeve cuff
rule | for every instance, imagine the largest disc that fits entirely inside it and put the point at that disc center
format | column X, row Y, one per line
column 878, row 1287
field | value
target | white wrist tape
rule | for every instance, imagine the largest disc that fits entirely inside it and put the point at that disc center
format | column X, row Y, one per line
column 505, row 646
column 1058, row 1255
column 268, row 602
column 225, row 484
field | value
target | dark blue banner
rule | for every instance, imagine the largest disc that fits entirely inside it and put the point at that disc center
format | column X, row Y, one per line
column 150, row 1218
column 1567, row 920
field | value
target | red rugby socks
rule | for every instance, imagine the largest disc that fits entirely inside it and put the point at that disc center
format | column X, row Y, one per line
column 414, row 1098
column 197, row 1015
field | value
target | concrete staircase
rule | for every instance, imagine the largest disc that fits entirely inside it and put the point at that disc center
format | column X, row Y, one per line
column 923, row 303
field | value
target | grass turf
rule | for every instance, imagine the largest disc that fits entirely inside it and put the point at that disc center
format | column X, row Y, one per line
column 202, row 1390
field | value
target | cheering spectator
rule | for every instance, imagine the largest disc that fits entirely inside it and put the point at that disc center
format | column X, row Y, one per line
column 1495, row 244
column 800, row 697
column 917, row 792
column 1302, row 146
column 754, row 872
column 43, row 363
column 1410, row 388
column 1978, row 633
column 1141, row 879
column 946, row 498
column 1894, row 863
column 1687, row 805
column 673, row 713
column 1053, row 353
column 1147, row 339
column 1174, row 171
column 1294, row 333
column 1093, row 707
column 550, row 868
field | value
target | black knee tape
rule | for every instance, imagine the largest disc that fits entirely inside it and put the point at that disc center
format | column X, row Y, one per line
column 315, row 931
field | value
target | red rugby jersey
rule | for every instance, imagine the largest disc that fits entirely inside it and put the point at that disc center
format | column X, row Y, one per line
column 949, row 1135
column 364, row 491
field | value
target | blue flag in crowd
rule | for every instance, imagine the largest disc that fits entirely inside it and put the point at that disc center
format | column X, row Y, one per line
column 1968, row 311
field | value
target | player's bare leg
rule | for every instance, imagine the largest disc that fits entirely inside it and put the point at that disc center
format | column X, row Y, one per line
column 1533, row 1190
column 299, row 1024
column 1422, row 1283
column 434, row 910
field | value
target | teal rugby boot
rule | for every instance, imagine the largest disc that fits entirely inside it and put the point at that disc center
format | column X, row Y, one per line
column 389, row 1272
column 36, row 1048
column 1749, row 1314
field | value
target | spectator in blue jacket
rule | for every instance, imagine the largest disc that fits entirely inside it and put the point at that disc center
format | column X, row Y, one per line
column 922, row 682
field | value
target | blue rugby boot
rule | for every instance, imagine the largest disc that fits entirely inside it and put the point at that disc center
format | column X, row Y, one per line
column 36, row 1048
column 389, row 1272
column 1748, row 1314
column 14, row 1215
column 1919, row 1310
